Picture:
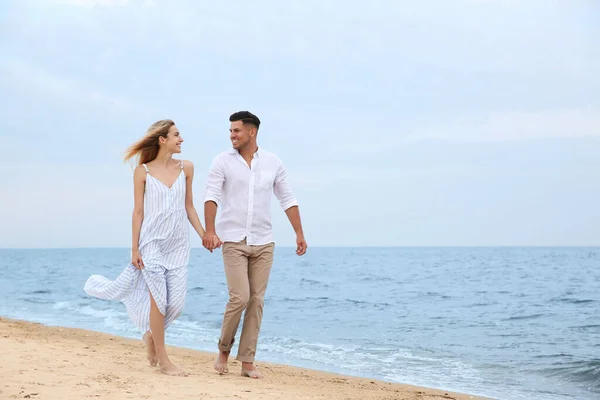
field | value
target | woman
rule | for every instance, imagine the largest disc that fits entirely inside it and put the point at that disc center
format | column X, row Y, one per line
column 153, row 287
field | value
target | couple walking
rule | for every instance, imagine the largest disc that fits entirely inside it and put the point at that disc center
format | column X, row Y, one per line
column 240, row 183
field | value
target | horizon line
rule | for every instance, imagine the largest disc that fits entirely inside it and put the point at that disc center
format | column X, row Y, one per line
column 329, row 246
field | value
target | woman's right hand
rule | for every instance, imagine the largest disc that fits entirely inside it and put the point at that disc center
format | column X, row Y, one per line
column 136, row 259
column 211, row 241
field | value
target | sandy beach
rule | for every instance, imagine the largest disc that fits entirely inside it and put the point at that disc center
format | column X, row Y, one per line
column 44, row 362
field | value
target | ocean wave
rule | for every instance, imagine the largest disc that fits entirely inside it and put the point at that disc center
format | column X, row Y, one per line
column 584, row 372
column 312, row 282
column 111, row 318
column 484, row 304
column 524, row 317
column 586, row 327
column 300, row 299
column 437, row 294
column 60, row 305
column 392, row 363
column 327, row 302
column 559, row 355
column 35, row 300
column 572, row 300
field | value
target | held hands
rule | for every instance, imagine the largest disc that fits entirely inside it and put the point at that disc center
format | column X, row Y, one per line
column 136, row 259
column 211, row 241
column 300, row 245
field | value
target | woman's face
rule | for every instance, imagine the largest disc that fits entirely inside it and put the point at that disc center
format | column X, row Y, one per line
column 172, row 143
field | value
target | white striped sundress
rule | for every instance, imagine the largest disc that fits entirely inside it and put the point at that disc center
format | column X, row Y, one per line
column 164, row 247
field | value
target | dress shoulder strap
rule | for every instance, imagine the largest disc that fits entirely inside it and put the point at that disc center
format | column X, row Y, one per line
column 181, row 164
column 145, row 167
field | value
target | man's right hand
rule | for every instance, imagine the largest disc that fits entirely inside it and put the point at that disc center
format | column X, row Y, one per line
column 211, row 241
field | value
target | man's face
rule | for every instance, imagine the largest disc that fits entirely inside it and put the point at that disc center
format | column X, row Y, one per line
column 240, row 134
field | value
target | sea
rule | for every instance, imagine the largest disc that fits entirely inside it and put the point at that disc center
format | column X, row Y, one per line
column 506, row 323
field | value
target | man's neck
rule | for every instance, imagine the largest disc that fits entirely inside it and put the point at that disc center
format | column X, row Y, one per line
column 247, row 152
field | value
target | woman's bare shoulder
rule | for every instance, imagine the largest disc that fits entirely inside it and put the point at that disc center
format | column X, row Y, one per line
column 188, row 164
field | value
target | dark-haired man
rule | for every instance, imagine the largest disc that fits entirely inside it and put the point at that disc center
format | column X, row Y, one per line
column 241, row 182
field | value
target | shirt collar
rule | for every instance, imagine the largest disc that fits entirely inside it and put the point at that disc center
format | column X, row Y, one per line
column 257, row 154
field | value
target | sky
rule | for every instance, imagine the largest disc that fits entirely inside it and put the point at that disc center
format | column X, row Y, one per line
column 400, row 123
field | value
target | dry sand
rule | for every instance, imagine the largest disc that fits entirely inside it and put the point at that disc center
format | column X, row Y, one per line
column 42, row 362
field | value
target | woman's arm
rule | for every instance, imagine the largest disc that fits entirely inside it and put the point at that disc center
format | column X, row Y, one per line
column 188, row 167
column 139, row 183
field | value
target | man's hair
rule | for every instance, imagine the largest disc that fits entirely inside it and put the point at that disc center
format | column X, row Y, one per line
column 246, row 117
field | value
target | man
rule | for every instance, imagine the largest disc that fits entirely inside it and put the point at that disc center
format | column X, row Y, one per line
column 241, row 182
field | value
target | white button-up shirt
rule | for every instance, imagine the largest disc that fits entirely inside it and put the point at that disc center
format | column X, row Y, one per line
column 243, row 195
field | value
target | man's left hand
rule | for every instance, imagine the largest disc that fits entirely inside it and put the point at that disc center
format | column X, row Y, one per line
column 300, row 245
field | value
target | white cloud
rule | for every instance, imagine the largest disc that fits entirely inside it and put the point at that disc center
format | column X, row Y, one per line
column 35, row 80
column 457, row 35
column 88, row 3
column 517, row 125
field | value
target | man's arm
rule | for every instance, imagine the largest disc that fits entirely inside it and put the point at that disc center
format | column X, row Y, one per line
column 210, row 215
column 293, row 214
column 289, row 204
column 212, row 197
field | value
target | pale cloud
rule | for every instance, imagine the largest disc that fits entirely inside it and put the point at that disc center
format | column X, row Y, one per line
column 87, row 3
column 24, row 76
column 517, row 125
column 466, row 35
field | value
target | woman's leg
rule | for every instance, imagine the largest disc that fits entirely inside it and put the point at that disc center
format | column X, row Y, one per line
column 150, row 348
column 157, row 325
column 176, row 294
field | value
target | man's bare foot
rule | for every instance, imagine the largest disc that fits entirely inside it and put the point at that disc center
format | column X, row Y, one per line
column 221, row 362
column 250, row 371
column 168, row 368
column 152, row 357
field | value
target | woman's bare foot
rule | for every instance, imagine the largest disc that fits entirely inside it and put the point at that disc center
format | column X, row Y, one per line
column 250, row 371
column 221, row 362
column 168, row 368
column 152, row 357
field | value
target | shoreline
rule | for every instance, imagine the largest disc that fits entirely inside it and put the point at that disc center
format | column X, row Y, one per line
column 52, row 362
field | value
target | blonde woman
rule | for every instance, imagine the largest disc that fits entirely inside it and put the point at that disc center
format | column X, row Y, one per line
column 153, row 286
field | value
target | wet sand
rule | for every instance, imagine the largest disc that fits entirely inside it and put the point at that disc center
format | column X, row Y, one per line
column 45, row 362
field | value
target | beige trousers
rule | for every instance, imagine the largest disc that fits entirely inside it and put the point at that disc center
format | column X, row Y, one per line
column 247, row 270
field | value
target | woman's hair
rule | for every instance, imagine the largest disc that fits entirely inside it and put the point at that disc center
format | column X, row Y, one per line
column 146, row 149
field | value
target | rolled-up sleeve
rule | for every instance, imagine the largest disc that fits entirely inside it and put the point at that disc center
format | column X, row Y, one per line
column 282, row 189
column 214, row 182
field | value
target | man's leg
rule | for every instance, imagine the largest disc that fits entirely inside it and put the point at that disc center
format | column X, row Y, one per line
column 235, row 260
column 259, row 269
